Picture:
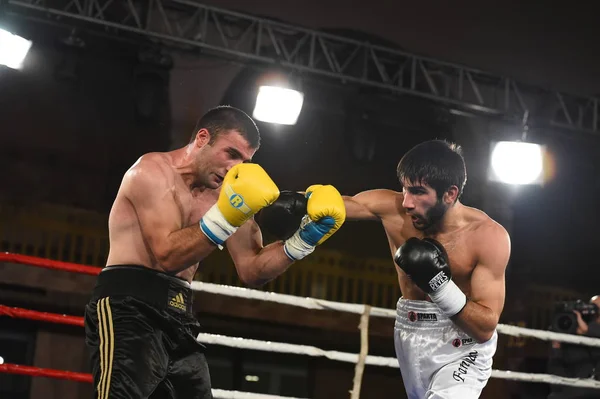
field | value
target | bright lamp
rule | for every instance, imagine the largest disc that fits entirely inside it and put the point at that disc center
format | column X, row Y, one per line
column 13, row 49
column 278, row 105
column 517, row 163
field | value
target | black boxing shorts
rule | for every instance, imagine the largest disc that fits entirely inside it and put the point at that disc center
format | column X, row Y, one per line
column 141, row 333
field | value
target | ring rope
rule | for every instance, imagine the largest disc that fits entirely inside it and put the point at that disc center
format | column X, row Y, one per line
column 319, row 304
column 309, row 303
column 303, row 302
column 243, row 343
column 49, row 263
column 41, row 372
column 21, row 313
column 282, row 347
column 221, row 394
column 546, row 378
column 82, row 377
column 516, row 331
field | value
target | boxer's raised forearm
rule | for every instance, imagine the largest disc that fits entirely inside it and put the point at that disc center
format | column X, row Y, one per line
column 270, row 262
column 477, row 320
column 183, row 248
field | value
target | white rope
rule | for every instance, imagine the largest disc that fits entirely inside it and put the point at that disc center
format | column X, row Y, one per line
column 321, row 304
column 548, row 335
column 221, row 394
column 546, row 378
column 280, row 347
column 307, row 303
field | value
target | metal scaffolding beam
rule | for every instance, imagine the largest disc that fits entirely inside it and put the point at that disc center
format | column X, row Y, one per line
column 229, row 33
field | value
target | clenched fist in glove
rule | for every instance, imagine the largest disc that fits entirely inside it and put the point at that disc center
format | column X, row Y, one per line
column 426, row 262
column 282, row 218
column 325, row 215
column 246, row 189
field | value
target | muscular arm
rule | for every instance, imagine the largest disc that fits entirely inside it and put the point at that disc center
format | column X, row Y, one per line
column 481, row 314
column 370, row 205
column 149, row 188
column 256, row 265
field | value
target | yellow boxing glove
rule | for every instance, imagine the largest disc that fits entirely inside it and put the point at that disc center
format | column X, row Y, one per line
column 325, row 215
column 324, row 202
column 311, row 189
column 246, row 189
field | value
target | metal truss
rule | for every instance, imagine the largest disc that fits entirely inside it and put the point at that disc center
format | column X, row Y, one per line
column 227, row 33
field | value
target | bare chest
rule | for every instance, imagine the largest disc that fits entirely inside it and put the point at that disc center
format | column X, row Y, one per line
column 193, row 205
column 461, row 254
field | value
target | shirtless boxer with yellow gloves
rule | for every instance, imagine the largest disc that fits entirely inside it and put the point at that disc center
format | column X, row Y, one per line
column 172, row 210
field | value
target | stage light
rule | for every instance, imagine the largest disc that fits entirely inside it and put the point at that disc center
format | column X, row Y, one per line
column 13, row 49
column 278, row 105
column 515, row 162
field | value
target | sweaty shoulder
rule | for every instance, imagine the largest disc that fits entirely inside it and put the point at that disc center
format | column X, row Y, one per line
column 487, row 233
column 152, row 169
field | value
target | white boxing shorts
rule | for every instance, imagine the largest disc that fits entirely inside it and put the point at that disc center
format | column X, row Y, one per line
column 436, row 358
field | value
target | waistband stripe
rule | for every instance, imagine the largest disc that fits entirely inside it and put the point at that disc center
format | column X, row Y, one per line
column 155, row 288
column 420, row 314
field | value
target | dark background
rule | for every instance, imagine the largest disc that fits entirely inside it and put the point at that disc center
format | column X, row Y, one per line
column 74, row 121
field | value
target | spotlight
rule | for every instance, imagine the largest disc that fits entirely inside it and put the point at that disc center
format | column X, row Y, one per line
column 278, row 105
column 518, row 163
column 13, row 49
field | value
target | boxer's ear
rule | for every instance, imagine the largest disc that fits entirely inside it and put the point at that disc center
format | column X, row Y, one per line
column 202, row 138
column 451, row 195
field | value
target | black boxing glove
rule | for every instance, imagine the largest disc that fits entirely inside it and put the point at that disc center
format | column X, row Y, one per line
column 282, row 218
column 426, row 263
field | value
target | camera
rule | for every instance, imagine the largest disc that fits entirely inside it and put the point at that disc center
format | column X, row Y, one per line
column 565, row 321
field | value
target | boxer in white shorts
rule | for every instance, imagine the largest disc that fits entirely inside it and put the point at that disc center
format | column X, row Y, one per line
column 437, row 359
column 451, row 261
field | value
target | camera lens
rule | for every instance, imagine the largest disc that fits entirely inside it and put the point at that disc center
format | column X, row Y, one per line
column 564, row 323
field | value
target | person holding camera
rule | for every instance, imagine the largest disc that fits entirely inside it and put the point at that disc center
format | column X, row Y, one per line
column 576, row 361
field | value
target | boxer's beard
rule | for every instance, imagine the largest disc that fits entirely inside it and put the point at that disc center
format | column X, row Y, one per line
column 432, row 218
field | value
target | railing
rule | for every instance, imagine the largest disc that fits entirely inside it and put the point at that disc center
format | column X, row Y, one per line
column 54, row 232
column 80, row 236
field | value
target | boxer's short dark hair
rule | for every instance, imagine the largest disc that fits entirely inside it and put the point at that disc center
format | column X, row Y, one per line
column 437, row 163
column 223, row 119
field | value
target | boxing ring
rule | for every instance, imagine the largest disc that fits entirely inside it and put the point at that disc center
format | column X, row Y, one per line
column 360, row 360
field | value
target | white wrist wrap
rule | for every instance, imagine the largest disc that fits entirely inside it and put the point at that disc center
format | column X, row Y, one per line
column 214, row 225
column 449, row 298
column 295, row 247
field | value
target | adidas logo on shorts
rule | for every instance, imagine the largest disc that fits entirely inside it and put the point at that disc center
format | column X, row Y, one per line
column 178, row 302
